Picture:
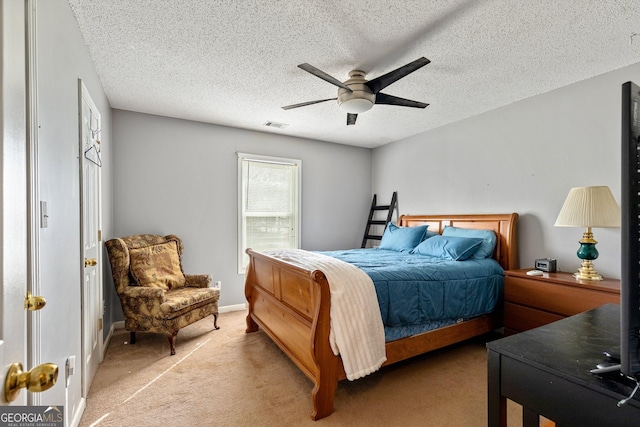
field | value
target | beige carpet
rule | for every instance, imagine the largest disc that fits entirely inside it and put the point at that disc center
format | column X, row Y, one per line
column 229, row 378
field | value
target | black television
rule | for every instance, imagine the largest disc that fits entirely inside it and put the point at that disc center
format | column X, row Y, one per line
column 630, row 233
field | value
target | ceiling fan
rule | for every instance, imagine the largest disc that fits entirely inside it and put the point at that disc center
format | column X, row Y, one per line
column 357, row 94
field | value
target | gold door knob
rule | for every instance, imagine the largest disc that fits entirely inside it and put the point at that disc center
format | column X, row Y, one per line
column 90, row 261
column 34, row 302
column 40, row 378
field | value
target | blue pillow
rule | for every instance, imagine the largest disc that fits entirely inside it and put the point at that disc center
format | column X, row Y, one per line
column 448, row 247
column 402, row 239
column 429, row 234
column 488, row 236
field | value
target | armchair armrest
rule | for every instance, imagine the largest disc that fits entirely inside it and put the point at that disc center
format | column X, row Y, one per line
column 198, row 280
column 144, row 292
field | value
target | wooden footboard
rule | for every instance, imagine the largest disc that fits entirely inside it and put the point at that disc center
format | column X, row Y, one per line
column 291, row 304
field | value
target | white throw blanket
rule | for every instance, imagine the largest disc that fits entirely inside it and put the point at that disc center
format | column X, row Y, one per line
column 356, row 332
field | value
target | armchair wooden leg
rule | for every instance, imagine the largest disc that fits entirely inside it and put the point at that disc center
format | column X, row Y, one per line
column 215, row 322
column 172, row 342
column 132, row 338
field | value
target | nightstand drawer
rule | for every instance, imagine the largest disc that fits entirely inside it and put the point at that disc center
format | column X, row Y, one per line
column 519, row 318
column 533, row 301
column 564, row 300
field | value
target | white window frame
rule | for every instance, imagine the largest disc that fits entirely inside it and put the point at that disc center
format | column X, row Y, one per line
column 241, row 229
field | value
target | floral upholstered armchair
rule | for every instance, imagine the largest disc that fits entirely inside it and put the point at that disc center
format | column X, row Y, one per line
column 155, row 294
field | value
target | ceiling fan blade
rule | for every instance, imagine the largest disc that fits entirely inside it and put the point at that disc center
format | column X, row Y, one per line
column 351, row 118
column 302, row 104
column 385, row 80
column 383, row 98
column 324, row 76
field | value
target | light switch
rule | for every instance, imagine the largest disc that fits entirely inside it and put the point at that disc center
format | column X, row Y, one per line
column 72, row 365
column 43, row 214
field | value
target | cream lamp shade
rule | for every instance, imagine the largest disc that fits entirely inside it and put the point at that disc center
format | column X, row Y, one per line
column 589, row 207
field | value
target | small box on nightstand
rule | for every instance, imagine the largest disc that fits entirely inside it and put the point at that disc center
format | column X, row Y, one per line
column 545, row 264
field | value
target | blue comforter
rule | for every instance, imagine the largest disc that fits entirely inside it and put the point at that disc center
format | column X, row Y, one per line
column 417, row 293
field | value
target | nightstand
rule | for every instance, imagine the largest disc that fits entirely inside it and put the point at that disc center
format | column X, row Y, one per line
column 532, row 301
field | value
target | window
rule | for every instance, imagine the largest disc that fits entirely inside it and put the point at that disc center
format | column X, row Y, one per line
column 268, row 204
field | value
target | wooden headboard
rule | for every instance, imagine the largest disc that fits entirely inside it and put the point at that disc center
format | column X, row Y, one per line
column 504, row 225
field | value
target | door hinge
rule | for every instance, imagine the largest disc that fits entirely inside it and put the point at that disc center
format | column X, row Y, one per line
column 99, row 324
column 99, row 235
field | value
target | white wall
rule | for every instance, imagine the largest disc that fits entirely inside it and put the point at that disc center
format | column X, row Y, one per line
column 520, row 158
column 180, row 177
column 62, row 60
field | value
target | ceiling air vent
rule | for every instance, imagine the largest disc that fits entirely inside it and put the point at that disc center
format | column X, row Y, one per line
column 276, row 125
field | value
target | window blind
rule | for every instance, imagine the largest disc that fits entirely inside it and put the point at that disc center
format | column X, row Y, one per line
column 269, row 204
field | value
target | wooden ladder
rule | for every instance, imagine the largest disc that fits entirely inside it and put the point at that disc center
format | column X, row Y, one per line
column 374, row 208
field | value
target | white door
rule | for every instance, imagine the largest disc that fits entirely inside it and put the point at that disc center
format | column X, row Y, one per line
column 13, row 200
column 90, row 126
column 15, row 248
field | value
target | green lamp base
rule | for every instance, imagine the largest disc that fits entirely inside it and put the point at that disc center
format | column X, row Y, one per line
column 587, row 253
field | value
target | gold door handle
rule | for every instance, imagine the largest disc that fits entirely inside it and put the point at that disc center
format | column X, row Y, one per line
column 90, row 261
column 34, row 302
column 40, row 378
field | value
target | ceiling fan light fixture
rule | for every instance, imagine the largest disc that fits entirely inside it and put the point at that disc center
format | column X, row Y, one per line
column 356, row 105
column 357, row 94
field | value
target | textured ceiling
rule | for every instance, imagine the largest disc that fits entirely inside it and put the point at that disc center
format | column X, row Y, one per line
column 234, row 62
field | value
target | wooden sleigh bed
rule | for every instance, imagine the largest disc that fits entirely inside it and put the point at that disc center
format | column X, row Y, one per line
column 291, row 305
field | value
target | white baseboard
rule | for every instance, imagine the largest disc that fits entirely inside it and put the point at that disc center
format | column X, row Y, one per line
column 75, row 421
column 235, row 307
column 115, row 325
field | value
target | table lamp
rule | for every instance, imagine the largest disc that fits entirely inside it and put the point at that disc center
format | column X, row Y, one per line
column 589, row 207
